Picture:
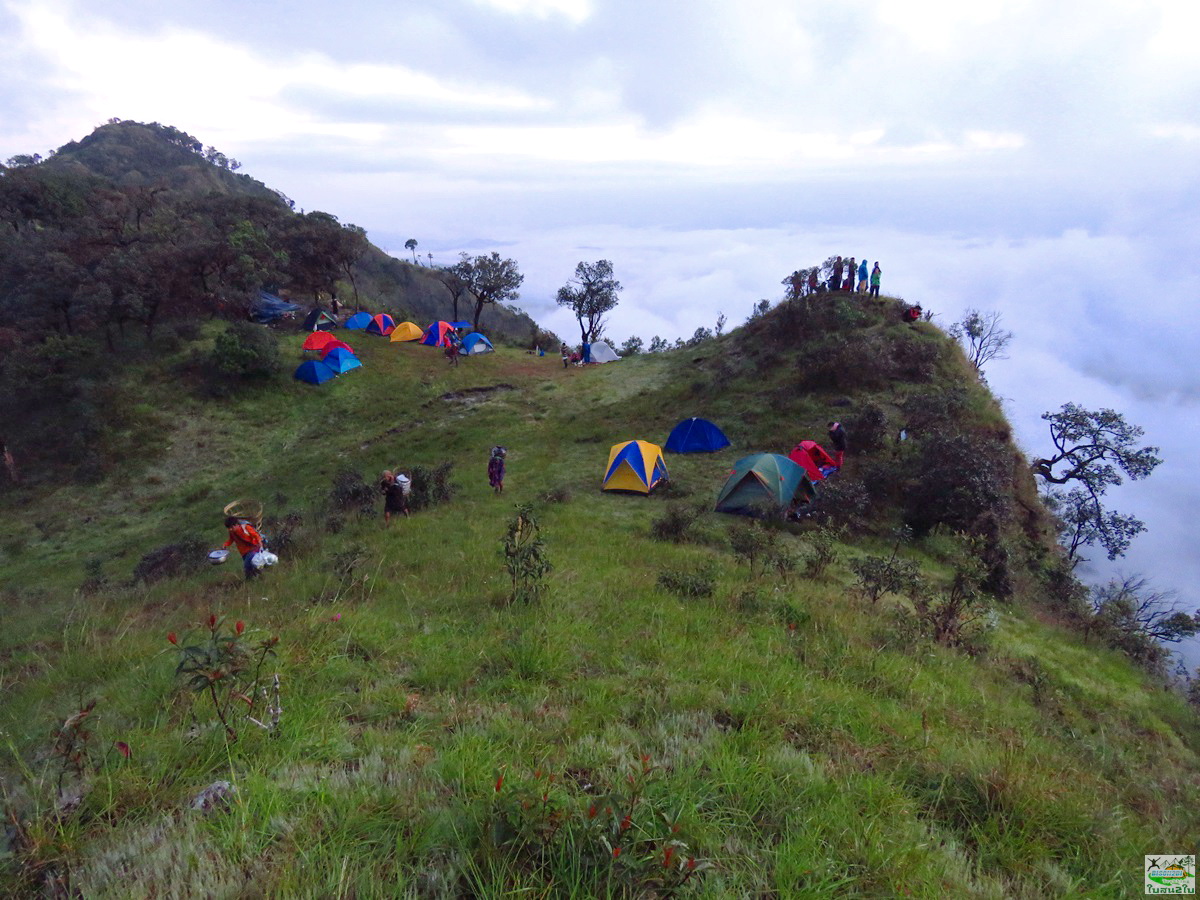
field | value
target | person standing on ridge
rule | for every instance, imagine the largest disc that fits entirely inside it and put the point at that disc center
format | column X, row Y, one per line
column 835, row 283
column 851, row 271
column 837, row 437
column 863, row 274
column 248, row 541
column 875, row 272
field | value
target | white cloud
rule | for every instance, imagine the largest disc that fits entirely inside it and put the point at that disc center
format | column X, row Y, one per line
column 574, row 10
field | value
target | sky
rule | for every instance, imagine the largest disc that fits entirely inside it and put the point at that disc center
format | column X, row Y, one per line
column 1038, row 159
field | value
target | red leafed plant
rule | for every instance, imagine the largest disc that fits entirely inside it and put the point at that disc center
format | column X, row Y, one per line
column 227, row 668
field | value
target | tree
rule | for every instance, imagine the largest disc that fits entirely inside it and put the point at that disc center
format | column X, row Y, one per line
column 720, row 327
column 1082, row 521
column 759, row 310
column 491, row 279
column 699, row 336
column 982, row 337
column 1133, row 618
column 658, row 345
column 1092, row 449
column 454, row 280
column 411, row 244
column 590, row 294
column 632, row 346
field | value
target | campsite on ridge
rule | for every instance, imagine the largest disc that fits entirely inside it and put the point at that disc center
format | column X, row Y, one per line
column 560, row 689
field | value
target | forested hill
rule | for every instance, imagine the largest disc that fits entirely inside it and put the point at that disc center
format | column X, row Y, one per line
column 125, row 243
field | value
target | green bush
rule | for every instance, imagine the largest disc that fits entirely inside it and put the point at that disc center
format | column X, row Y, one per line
column 245, row 350
column 689, row 583
column 431, row 486
column 675, row 524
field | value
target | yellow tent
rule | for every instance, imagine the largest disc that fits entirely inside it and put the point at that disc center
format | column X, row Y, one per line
column 634, row 466
column 407, row 331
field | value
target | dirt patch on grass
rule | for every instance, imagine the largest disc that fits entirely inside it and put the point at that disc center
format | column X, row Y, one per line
column 471, row 396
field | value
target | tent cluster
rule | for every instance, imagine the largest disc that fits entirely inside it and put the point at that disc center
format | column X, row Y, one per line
column 336, row 358
column 756, row 482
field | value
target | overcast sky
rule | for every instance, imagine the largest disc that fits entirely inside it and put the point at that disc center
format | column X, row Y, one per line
column 1036, row 158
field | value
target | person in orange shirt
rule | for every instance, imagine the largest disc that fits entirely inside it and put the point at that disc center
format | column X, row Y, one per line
column 248, row 542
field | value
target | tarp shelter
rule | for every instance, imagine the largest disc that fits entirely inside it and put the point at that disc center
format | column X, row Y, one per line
column 636, row 466
column 381, row 324
column 460, row 324
column 359, row 320
column 763, row 480
column 267, row 308
column 475, row 343
column 818, row 455
column 801, row 458
column 319, row 340
column 436, row 334
column 315, row 372
column 407, row 331
column 696, row 436
column 318, row 319
column 341, row 360
column 602, row 353
column 335, row 345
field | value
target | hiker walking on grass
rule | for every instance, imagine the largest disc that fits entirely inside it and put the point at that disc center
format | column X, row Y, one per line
column 496, row 469
column 566, row 354
column 837, row 437
column 395, row 494
column 875, row 272
column 248, row 541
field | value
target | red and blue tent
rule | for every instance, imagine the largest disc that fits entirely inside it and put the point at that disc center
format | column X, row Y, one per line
column 437, row 334
column 381, row 324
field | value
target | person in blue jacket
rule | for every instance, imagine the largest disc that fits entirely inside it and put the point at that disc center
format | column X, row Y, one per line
column 863, row 272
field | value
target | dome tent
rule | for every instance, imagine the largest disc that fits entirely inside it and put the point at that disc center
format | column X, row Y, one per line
column 341, row 360
column 475, row 343
column 636, row 466
column 358, row 320
column 696, row 436
column 314, row 372
column 406, row 331
column 763, row 480
column 381, row 324
column 318, row 340
column 602, row 353
column 437, row 334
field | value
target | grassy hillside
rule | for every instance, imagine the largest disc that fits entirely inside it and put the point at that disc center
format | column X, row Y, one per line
column 777, row 735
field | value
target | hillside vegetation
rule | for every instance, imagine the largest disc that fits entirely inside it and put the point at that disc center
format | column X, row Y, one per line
column 670, row 718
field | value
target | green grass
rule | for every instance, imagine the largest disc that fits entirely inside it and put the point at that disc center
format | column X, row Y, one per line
column 838, row 757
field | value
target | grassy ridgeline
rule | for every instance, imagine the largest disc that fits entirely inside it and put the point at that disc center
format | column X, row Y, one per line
column 781, row 733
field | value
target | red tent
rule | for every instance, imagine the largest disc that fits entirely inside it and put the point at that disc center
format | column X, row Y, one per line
column 381, row 324
column 333, row 345
column 317, row 340
column 436, row 335
column 801, row 457
column 818, row 454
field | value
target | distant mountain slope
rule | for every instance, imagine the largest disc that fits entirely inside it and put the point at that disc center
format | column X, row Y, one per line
column 133, row 154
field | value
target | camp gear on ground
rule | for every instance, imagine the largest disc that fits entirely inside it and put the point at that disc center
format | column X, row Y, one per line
column 358, row 320
column 696, row 436
column 269, row 308
column 764, row 480
column 636, row 466
column 314, row 372
column 475, row 343
column 406, row 331
column 381, row 324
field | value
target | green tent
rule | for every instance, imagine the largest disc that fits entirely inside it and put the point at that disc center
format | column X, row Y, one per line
column 764, row 480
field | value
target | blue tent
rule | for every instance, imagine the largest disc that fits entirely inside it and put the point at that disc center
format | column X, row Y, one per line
column 268, row 308
column 476, row 343
column 341, row 360
column 358, row 320
column 696, row 436
column 460, row 324
column 315, row 372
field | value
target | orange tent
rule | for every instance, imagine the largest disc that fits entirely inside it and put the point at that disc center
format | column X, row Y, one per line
column 318, row 340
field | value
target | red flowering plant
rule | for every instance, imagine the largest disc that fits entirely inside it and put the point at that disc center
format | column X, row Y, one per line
column 227, row 668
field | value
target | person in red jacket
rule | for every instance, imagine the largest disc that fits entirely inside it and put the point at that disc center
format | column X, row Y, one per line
column 248, row 542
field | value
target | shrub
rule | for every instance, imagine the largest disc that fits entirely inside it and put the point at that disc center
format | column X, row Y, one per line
column 171, row 561
column 351, row 492
column 962, row 477
column 675, row 524
column 431, row 486
column 867, row 428
column 245, row 350
column 914, row 357
column 841, row 501
column 561, row 494
column 822, row 551
column 879, row 575
column 753, row 545
column 961, row 614
column 525, row 556
column 689, row 583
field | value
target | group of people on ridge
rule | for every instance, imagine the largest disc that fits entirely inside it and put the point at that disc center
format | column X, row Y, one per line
column 845, row 275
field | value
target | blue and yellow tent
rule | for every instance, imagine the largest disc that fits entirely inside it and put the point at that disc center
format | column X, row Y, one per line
column 764, row 480
column 636, row 466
